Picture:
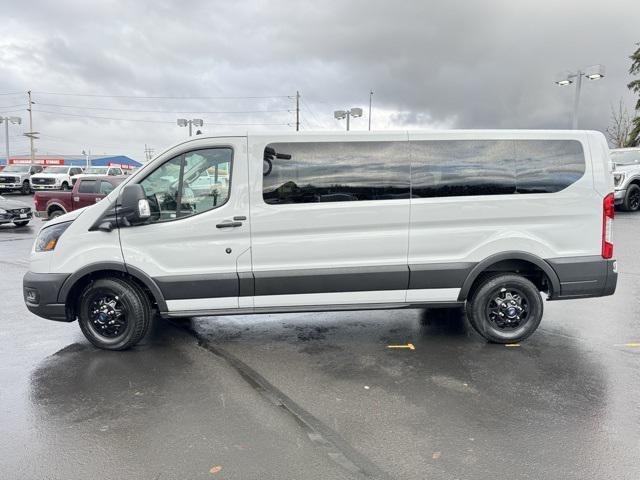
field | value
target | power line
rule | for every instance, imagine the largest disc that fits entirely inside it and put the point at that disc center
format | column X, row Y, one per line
column 11, row 106
column 162, row 96
column 82, row 107
column 144, row 120
column 12, row 93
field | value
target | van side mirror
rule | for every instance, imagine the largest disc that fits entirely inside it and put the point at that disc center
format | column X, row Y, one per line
column 133, row 207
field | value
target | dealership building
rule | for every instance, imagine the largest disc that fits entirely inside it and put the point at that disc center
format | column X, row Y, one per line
column 121, row 161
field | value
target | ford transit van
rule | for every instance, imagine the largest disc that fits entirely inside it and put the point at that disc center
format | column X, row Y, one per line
column 284, row 222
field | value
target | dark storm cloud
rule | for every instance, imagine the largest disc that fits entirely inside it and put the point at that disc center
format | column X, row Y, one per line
column 450, row 63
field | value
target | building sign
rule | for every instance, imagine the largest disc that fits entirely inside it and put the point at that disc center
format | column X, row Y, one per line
column 37, row 161
column 123, row 166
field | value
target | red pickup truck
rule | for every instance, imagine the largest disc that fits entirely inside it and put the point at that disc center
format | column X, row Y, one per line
column 86, row 191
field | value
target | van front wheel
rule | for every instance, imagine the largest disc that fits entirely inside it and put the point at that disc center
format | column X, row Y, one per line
column 505, row 308
column 114, row 314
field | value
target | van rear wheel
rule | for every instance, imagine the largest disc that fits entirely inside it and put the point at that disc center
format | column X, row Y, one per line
column 114, row 314
column 505, row 308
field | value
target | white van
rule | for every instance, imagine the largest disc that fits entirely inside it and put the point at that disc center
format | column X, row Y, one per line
column 337, row 221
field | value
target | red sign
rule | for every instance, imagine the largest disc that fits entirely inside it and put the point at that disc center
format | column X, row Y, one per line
column 123, row 166
column 37, row 161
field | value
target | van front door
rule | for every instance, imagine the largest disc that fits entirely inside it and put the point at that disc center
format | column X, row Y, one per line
column 198, row 233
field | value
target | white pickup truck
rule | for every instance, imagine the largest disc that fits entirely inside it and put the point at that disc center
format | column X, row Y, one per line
column 98, row 172
column 626, row 177
column 55, row 178
column 16, row 178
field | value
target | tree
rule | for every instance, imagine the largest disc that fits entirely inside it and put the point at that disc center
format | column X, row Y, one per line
column 620, row 128
column 633, row 140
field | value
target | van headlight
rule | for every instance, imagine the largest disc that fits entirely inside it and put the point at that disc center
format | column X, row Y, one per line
column 48, row 237
column 618, row 178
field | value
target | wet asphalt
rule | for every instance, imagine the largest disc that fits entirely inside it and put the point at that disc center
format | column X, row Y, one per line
column 320, row 395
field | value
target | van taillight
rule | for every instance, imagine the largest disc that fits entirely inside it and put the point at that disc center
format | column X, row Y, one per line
column 607, row 226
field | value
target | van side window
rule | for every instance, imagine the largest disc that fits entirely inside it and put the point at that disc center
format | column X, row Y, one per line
column 548, row 166
column 446, row 168
column 312, row 172
column 189, row 184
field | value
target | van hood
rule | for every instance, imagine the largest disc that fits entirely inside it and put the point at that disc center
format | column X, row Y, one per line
column 67, row 217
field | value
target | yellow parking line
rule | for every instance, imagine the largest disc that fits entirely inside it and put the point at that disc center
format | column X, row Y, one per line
column 511, row 344
column 410, row 346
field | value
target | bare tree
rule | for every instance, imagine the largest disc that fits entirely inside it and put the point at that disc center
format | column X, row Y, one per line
column 620, row 126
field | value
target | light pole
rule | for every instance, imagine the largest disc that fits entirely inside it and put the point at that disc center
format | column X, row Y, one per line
column 370, row 97
column 7, row 120
column 594, row 72
column 354, row 112
column 87, row 159
column 183, row 122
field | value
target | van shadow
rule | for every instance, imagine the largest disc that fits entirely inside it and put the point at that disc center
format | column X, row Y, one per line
column 82, row 383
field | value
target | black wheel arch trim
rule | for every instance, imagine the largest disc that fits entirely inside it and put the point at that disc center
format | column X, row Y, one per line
column 514, row 255
column 136, row 273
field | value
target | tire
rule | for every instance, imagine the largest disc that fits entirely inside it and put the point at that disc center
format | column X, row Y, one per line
column 514, row 318
column 632, row 198
column 26, row 188
column 65, row 186
column 21, row 224
column 55, row 213
column 99, row 305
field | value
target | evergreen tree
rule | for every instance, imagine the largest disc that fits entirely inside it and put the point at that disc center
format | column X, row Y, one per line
column 634, row 136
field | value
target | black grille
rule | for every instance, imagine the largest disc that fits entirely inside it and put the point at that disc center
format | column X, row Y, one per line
column 18, row 211
column 43, row 181
column 8, row 179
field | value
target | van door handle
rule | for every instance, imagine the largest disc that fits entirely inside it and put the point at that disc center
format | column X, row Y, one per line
column 229, row 225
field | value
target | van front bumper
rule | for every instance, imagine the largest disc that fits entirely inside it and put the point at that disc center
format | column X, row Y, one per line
column 40, row 292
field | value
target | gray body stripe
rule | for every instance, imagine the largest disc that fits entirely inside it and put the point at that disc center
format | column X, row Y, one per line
column 439, row 275
column 325, row 280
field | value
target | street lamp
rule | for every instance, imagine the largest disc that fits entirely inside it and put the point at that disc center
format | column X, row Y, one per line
column 594, row 72
column 7, row 120
column 183, row 122
column 354, row 112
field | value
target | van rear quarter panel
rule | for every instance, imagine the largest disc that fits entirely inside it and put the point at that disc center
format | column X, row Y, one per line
column 471, row 228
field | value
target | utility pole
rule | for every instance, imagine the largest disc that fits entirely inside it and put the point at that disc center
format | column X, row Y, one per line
column 31, row 132
column 7, row 120
column 297, row 110
column 370, row 95
column 148, row 152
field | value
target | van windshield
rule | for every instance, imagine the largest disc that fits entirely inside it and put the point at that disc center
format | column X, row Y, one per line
column 628, row 157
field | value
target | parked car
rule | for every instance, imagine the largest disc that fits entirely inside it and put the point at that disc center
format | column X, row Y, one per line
column 489, row 219
column 2, row 167
column 16, row 178
column 86, row 191
column 101, row 171
column 626, row 177
column 55, row 178
column 12, row 211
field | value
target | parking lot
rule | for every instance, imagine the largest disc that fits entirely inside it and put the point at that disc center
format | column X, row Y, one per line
column 320, row 395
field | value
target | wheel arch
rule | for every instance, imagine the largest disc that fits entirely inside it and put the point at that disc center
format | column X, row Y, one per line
column 78, row 280
column 517, row 258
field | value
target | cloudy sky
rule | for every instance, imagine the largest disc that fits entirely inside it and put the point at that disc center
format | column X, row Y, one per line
column 129, row 69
